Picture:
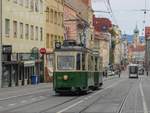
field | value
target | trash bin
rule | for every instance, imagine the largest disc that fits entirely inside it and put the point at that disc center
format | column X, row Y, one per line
column 34, row 79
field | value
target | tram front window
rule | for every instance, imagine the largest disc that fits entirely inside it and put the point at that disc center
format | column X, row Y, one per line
column 65, row 62
column 133, row 70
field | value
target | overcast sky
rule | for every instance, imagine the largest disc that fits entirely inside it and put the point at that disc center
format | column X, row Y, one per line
column 126, row 13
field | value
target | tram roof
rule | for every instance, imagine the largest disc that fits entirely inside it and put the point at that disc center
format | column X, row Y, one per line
column 75, row 48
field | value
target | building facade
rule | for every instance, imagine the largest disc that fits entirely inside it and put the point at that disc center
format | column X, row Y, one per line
column 22, row 37
column 102, row 38
column 78, row 21
column 54, row 32
column 102, row 44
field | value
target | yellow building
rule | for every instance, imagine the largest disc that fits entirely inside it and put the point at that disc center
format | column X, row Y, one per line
column 54, row 31
column 22, row 37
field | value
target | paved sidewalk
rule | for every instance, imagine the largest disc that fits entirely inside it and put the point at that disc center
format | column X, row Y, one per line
column 24, row 90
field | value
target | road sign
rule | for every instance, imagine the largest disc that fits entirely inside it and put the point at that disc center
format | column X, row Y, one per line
column 42, row 50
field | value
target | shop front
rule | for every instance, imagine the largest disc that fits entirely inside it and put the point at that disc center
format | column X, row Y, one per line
column 18, row 68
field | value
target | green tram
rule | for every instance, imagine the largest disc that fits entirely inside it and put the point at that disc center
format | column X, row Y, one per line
column 77, row 69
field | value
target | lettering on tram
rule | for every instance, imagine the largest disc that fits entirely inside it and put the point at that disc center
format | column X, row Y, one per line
column 77, row 69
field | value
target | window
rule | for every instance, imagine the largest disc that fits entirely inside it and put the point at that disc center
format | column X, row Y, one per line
column 62, row 20
column 7, row 27
column 32, row 5
column 15, row 1
column 51, row 16
column 37, row 5
column 65, row 62
column 36, row 33
column 41, row 6
column 21, row 2
column 47, row 14
column 41, row 34
column 59, row 18
column 32, row 32
column 47, row 40
column 27, row 31
column 83, row 61
column 78, row 62
column 55, row 17
column 15, row 29
column 21, row 30
column 52, row 41
column 27, row 3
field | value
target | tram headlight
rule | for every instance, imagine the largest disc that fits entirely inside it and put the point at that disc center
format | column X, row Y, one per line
column 65, row 77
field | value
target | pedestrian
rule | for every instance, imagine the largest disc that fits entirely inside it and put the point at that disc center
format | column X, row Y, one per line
column 147, row 73
column 119, row 72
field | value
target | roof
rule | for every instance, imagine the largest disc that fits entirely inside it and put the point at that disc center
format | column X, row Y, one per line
column 139, row 48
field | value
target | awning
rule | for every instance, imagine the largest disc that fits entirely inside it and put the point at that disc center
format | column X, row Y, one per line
column 29, row 63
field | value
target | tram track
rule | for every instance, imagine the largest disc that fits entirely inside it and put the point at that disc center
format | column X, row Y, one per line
column 121, row 106
column 39, row 101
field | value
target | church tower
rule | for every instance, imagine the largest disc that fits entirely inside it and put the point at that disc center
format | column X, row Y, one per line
column 136, row 38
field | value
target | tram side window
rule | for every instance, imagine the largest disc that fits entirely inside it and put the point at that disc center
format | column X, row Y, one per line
column 83, row 61
column 96, row 62
column 78, row 66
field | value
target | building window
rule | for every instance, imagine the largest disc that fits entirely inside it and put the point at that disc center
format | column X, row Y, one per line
column 32, row 32
column 52, row 41
column 7, row 27
column 15, row 29
column 51, row 16
column 36, row 33
column 62, row 20
column 47, row 14
column 15, row 1
column 21, row 30
column 59, row 19
column 37, row 5
column 41, row 6
column 27, row 31
column 26, row 3
column 21, row 2
column 56, row 38
column 32, row 5
column 47, row 41
column 41, row 34
column 55, row 17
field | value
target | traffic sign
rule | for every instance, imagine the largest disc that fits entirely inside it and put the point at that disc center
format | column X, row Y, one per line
column 42, row 50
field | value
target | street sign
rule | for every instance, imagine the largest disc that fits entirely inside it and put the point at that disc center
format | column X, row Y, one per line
column 147, row 32
column 42, row 50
